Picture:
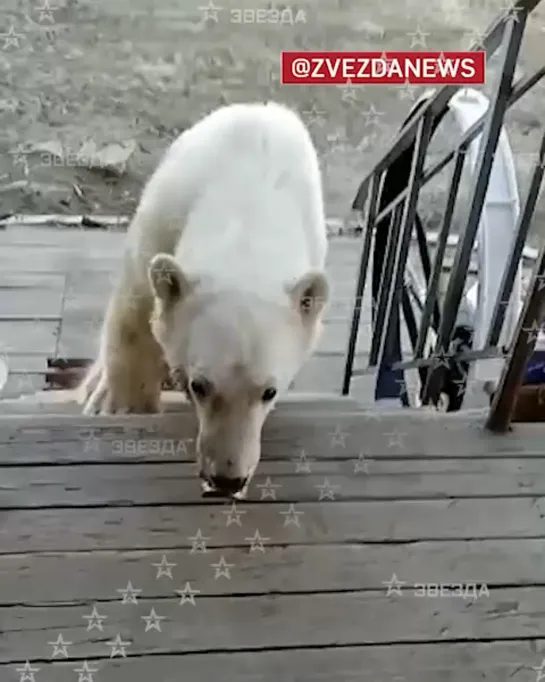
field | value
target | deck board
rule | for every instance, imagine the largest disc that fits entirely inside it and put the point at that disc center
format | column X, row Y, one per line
column 168, row 483
column 291, row 582
column 284, row 619
column 344, row 500
column 441, row 663
column 67, row 274
column 97, row 576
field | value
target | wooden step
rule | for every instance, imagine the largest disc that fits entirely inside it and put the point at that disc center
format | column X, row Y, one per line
column 315, row 424
column 65, row 402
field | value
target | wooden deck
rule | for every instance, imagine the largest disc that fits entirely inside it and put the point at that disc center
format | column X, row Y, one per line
column 403, row 548
column 54, row 285
column 374, row 547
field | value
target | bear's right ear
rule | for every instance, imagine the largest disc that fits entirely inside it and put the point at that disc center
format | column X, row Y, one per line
column 168, row 282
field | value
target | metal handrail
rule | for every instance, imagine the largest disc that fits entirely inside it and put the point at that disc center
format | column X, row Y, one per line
column 491, row 41
column 398, row 215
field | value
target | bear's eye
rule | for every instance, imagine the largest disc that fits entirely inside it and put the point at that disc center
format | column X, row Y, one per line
column 201, row 388
column 268, row 394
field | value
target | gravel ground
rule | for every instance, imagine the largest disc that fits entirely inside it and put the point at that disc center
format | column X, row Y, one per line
column 108, row 84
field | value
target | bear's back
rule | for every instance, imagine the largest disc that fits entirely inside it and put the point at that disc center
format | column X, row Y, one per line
column 242, row 191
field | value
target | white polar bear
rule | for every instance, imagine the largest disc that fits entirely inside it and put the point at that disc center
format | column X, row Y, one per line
column 223, row 279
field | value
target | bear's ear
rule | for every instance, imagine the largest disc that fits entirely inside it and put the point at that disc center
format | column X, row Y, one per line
column 168, row 282
column 310, row 294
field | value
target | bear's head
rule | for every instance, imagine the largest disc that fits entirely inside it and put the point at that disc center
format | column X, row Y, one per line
column 236, row 352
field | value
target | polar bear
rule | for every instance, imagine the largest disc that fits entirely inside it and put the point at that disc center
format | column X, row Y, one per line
column 223, row 282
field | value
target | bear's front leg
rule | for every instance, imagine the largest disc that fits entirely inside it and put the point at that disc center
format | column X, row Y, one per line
column 130, row 369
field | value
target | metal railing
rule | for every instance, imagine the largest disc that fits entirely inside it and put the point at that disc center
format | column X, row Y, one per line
column 391, row 216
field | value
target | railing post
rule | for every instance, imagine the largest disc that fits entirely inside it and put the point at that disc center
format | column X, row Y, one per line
column 362, row 276
column 382, row 335
column 530, row 322
column 433, row 285
column 379, row 306
column 523, row 227
column 514, row 30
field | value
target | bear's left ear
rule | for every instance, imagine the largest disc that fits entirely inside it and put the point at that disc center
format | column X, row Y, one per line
column 168, row 282
column 310, row 294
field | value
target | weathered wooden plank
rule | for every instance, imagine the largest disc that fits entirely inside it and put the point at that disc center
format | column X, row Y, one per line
column 67, row 238
column 102, row 258
column 516, row 661
column 262, row 567
column 60, row 259
column 292, row 620
column 321, row 374
column 335, row 335
column 75, row 240
column 324, row 372
column 154, row 527
column 87, row 297
column 12, row 279
column 80, row 333
column 85, row 304
column 82, row 320
column 52, row 403
column 32, row 303
column 20, row 384
column 28, row 336
column 292, row 427
column 25, row 375
column 30, row 362
column 168, row 483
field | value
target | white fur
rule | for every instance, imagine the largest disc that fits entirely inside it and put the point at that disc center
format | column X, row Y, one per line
column 242, row 184
column 235, row 209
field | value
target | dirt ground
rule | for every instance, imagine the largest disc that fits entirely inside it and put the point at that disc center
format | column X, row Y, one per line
column 91, row 92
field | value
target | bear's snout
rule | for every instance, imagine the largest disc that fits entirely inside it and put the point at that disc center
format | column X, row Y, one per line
column 222, row 486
